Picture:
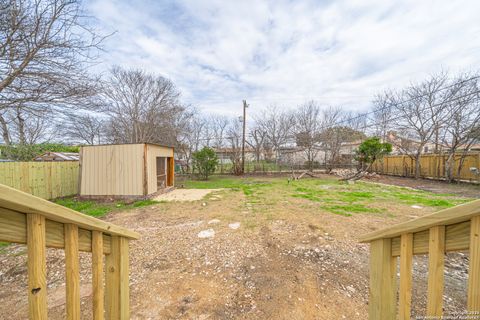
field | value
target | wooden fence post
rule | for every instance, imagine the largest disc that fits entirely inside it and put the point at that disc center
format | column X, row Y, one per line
column 382, row 304
column 436, row 258
column 117, row 280
column 474, row 268
column 37, row 283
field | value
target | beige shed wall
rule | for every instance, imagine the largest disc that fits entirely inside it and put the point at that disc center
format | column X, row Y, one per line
column 115, row 170
column 153, row 152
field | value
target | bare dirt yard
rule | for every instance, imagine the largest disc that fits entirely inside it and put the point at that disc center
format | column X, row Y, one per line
column 260, row 248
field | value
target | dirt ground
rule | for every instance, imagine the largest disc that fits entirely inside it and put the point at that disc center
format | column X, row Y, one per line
column 185, row 194
column 230, row 256
column 461, row 189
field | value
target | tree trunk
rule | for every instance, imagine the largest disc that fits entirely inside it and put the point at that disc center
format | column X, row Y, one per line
column 449, row 167
column 5, row 133
column 417, row 165
column 21, row 128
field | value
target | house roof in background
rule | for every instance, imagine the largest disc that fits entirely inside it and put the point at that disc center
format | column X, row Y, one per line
column 58, row 156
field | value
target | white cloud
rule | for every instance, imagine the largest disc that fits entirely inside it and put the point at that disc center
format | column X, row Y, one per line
column 287, row 52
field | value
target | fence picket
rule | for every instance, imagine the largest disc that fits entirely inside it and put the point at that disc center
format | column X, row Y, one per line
column 431, row 165
column 46, row 180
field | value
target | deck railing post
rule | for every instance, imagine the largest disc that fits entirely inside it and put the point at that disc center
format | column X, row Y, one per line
column 37, row 283
column 117, row 280
column 474, row 268
column 97, row 275
column 436, row 262
column 72, row 271
column 405, row 292
column 382, row 304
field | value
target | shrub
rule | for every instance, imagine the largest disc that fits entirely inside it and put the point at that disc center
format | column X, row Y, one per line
column 205, row 161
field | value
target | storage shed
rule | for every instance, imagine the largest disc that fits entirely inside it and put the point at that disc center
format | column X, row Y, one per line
column 126, row 170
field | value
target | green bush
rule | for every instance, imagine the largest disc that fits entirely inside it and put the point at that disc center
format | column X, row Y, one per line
column 26, row 152
column 205, row 162
column 371, row 150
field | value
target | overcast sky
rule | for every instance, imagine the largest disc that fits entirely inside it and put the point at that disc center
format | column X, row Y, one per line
column 220, row 52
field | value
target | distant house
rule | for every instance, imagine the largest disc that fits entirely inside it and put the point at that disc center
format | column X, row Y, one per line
column 297, row 155
column 225, row 155
column 58, row 156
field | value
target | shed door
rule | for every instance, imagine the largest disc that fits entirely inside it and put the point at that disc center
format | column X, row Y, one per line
column 161, row 172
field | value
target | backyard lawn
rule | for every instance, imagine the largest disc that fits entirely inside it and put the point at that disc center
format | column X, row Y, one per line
column 256, row 248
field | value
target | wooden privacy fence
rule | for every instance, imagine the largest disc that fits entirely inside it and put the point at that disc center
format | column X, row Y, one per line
column 47, row 180
column 431, row 166
column 454, row 229
column 40, row 224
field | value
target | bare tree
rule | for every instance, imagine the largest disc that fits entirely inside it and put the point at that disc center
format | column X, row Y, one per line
column 142, row 107
column 335, row 133
column 192, row 139
column 256, row 140
column 307, row 130
column 25, row 126
column 461, row 128
column 45, row 49
column 422, row 111
column 234, row 151
column 278, row 126
column 83, row 128
column 218, row 127
column 382, row 115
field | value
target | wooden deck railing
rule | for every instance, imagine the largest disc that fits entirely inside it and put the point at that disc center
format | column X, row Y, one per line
column 40, row 224
column 453, row 229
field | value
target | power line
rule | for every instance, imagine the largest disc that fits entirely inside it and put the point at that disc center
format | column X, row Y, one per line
column 336, row 124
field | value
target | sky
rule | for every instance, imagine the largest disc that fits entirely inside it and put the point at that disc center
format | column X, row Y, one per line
column 284, row 53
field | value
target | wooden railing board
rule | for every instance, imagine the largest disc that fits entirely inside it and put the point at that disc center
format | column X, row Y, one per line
column 41, row 224
column 451, row 230
column 13, row 226
column 460, row 213
column 23, row 202
column 457, row 238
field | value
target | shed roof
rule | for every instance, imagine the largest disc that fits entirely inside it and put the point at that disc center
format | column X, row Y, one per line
column 122, row 144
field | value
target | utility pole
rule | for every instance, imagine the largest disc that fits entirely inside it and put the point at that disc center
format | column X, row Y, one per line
column 244, row 119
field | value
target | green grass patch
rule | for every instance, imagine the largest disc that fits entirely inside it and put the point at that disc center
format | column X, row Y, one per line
column 348, row 209
column 90, row 208
column 3, row 245
column 99, row 209
column 331, row 195
column 344, row 199
column 143, row 203
column 426, row 200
